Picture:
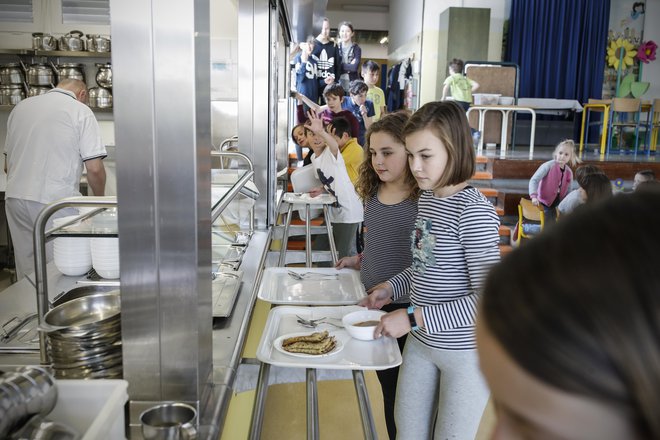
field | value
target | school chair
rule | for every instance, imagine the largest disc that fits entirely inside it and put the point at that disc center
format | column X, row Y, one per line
column 531, row 220
column 653, row 126
column 624, row 113
column 598, row 106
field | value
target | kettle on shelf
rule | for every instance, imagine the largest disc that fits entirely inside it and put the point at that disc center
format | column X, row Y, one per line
column 73, row 41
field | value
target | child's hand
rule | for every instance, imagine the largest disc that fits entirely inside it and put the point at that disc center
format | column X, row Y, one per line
column 535, row 201
column 379, row 296
column 349, row 263
column 329, row 80
column 395, row 324
column 315, row 122
column 315, row 192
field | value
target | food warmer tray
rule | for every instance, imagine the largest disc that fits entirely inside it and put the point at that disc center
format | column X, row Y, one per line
column 380, row 354
column 225, row 287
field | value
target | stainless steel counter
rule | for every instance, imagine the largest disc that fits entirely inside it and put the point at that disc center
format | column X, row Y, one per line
column 228, row 333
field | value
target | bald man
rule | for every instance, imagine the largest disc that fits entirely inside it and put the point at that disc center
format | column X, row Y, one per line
column 49, row 138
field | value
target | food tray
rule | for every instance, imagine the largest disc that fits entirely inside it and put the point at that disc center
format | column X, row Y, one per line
column 379, row 354
column 225, row 288
column 278, row 287
column 305, row 198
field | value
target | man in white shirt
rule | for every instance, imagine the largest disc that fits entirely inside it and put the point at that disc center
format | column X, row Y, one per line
column 49, row 138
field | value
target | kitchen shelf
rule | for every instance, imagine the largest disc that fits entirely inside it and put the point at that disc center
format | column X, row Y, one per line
column 56, row 53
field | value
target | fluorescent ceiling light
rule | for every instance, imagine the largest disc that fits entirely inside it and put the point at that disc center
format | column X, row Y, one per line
column 384, row 40
column 365, row 8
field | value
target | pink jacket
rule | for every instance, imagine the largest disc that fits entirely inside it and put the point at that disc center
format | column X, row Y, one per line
column 545, row 182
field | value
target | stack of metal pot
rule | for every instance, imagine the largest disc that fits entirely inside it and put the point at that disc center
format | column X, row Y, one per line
column 12, row 80
column 84, row 337
column 40, row 78
column 101, row 96
column 24, row 393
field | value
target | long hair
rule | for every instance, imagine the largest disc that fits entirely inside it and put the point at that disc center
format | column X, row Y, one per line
column 597, row 186
column 368, row 181
column 448, row 122
column 579, row 306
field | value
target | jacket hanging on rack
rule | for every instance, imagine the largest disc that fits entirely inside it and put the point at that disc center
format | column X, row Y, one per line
column 399, row 75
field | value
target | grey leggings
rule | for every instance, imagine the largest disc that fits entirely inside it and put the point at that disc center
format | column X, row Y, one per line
column 445, row 384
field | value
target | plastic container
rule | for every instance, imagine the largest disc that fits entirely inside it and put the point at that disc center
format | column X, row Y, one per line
column 95, row 408
column 486, row 98
column 506, row 100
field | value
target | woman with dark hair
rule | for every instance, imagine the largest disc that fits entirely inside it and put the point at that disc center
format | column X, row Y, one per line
column 350, row 55
column 568, row 330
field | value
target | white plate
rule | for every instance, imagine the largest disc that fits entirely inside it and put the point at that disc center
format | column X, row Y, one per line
column 329, row 287
column 277, row 343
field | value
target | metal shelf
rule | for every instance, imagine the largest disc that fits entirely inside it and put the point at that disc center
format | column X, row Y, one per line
column 55, row 53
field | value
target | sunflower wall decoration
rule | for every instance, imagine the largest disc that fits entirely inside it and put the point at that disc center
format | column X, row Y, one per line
column 620, row 51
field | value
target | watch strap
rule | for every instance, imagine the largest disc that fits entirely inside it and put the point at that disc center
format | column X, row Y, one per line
column 411, row 317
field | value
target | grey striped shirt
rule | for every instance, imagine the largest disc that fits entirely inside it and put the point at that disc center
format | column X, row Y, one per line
column 387, row 240
column 455, row 242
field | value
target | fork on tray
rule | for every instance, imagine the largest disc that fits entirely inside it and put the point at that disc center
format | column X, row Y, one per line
column 312, row 275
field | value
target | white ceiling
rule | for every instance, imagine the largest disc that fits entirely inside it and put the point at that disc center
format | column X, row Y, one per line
column 358, row 5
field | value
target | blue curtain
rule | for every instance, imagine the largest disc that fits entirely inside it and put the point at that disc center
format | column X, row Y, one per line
column 560, row 46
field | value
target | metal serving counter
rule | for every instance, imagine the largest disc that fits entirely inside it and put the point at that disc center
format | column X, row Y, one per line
column 228, row 333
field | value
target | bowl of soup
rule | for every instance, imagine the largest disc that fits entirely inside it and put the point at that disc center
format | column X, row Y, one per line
column 361, row 324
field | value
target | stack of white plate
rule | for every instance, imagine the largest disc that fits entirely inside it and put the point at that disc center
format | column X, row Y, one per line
column 72, row 255
column 105, row 257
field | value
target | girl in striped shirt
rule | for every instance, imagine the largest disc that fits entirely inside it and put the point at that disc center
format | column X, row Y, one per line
column 389, row 192
column 441, row 393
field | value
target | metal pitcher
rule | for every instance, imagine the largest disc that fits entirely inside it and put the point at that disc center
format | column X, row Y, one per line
column 98, row 43
column 73, row 41
column 104, row 75
column 12, row 73
column 37, row 38
column 48, row 42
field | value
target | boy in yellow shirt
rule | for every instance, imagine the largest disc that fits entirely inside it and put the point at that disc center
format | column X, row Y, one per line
column 351, row 151
column 371, row 74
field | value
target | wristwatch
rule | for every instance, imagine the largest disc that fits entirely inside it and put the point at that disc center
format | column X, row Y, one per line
column 411, row 317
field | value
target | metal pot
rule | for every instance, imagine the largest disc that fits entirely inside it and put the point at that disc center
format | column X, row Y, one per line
column 98, row 43
column 73, row 41
column 40, row 75
column 100, row 97
column 38, row 90
column 48, row 42
column 37, row 38
column 11, row 94
column 12, row 73
column 104, row 75
column 70, row 70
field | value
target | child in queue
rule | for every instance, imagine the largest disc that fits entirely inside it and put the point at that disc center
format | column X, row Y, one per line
column 454, row 244
column 299, row 138
column 371, row 74
column 389, row 193
column 351, row 151
column 551, row 181
column 360, row 106
column 641, row 177
column 346, row 214
column 334, row 96
column 569, row 341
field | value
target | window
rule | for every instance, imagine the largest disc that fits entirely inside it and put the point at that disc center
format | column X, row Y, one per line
column 16, row 11
column 84, row 11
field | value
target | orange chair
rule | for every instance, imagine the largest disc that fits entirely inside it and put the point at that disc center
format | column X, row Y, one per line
column 531, row 220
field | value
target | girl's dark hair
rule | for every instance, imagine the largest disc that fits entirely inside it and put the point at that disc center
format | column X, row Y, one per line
column 334, row 89
column 578, row 307
column 347, row 24
column 368, row 181
column 448, row 122
column 597, row 186
column 585, row 170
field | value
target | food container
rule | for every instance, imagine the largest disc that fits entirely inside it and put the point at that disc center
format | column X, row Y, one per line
column 100, row 97
column 104, row 75
column 361, row 324
column 40, row 75
column 38, row 90
column 486, row 98
column 71, row 70
column 506, row 100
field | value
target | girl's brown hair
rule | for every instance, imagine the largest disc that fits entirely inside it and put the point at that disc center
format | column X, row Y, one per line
column 448, row 122
column 368, row 181
column 586, row 321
